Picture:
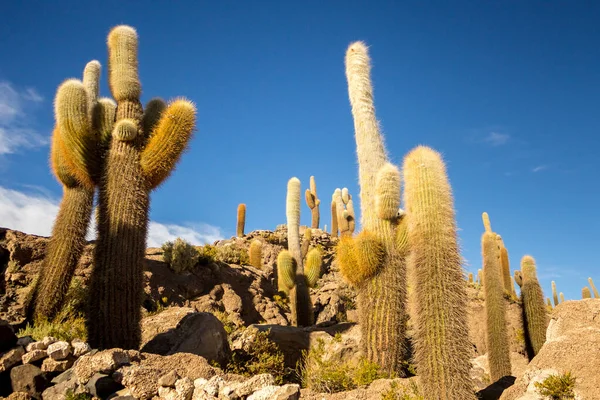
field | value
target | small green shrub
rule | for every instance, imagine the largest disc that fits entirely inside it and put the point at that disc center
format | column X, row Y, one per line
column 557, row 387
column 282, row 301
column 207, row 254
column 80, row 396
column 272, row 239
column 228, row 324
column 395, row 393
column 233, row 254
column 180, row 255
column 366, row 372
column 263, row 356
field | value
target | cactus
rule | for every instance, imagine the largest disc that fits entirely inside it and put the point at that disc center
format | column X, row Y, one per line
column 535, row 315
column 562, row 297
column 380, row 277
column 313, row 203
column 506, row 277
column 442, row 345
column 585, row 293
column 300, row 303
column 470, row 277
column 334, row 217
column 313, row 267
column 591, row 282
column 519, row 278
column 554, row 294
column 136, row 162
column 255, row 253
column 495, row 307
column 306, row 242
column 480, row 277
column 286, row 271
column 75, row 154
column 241, row 220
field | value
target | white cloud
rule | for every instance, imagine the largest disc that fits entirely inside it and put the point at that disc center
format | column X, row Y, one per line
column 539, row 168
column 16, row 130
column 497, row 139
column 34, row 213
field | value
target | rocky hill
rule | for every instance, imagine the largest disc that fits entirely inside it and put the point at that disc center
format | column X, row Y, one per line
column 221, row 330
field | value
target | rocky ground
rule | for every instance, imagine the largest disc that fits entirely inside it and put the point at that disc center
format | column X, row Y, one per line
column 196, row 322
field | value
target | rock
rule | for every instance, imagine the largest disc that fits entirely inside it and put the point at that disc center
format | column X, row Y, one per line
column 141, row 378
column 33, row 356
column 29, row 379
column 184, row 388
column 105, row 362
column 573, row 344
column 8, row 339
column 169, row 379
column 80, row 347
column 243, row 389
column 59, row 391
column 11, row 358
column 166, row 320
column 102, row 385
column 65, row 376
column 196, row 333
column 59, row 350
column 285, row 392
column 211, row 387
column 19, row 396
column 51, row 365
column 25, row 341
column 48, row 340
column 494, row 391
column 36, row 346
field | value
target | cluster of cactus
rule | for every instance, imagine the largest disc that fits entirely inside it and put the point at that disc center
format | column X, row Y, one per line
column 494, row 288
column 294, row 277
column 124, row 152
column 313, row 203
column 241, row 220
column 535, row 313
column 375, row 260
column 344, row 211
column 586, row 293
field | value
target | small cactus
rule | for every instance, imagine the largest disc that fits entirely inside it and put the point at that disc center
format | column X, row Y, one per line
column 286, row 271
column 255, row 253
column 585, row 293
column 313, row 267
column 535, row 314
column 554, row 294
column 562, row 297
column 470, row 277
column 241, row 220
column 313, row 203
column 334, row 217
column 591, row 282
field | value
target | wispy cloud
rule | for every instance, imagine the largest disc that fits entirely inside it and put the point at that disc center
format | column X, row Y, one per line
column 34, row 213
column 539, row 168
column 496, row 138
column 16, row 130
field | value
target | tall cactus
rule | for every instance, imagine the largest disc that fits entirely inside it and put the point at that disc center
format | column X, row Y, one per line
column 137, row 162
column 334, row 217
column 535, row 315
column 300, row 303
column 554, row 294
column 380, row 277
column 495, row 307
column 442, row 345
column 506, row 277
column 585, row 293
column 591, row 282
column 241, row 220
column 75, row 154
column 255, row 253
column 313, row 203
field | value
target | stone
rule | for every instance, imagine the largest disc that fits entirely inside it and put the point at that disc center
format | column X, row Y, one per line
column 19, row 396
column 36, row 346
column 25, row 341
column 102, row 385
column 33, row 356
column 59, row 391
column 105, row 362
column 199, row 333
column 184, row 388
column 8, row 339
column 29, row 379
column 48, row 340
column 169, row 379
column 52, row 365
column 11, row 358
column 65, row 376
column 251, row 385
column 59, row 350
column 80, row 347
column 285, row 392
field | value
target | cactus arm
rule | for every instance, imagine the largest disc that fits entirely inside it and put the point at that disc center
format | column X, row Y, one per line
column 152, row 113
column 169, row 139
column 58, row 161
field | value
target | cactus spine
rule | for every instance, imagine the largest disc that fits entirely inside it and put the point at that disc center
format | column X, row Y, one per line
column 313, row 203
column 300, row 302
column 76, row 162
column 535, row 314
column 554, row 294
column 585, row 293
column 382, row 296
column 591, row 282
column 241, row 220
column 255, row 253
column 137, row 162
column 495, row 307
column 442, row 345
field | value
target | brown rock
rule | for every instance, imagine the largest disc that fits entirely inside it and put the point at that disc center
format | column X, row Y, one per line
column 29, row 379
column 52, row 365
column 8, row 339
column 11, row 358
column 104, row 362
column 33, row 356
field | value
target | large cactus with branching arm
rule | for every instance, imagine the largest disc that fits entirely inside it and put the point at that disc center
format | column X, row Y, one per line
column 374, row 260
column 143, row 151
column 442, row 345
column 82, row 122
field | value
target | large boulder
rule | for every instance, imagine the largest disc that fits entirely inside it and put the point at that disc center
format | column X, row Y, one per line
column 572, row 345
column 186, row 331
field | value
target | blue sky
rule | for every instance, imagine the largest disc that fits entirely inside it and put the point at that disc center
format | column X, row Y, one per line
column 507, row 91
